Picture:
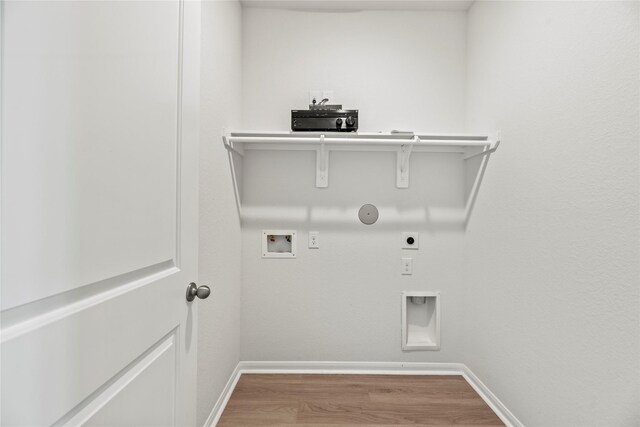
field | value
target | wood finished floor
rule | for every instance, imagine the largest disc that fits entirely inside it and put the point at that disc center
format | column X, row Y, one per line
column 355, row 400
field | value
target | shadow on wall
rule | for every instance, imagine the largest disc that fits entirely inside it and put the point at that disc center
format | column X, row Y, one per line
column 282, row 193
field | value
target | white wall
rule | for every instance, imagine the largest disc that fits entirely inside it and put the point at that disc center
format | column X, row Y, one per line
column 552, row 318
column 219, row 261
column 540, row 298
column 342, row 302
column 402, row 70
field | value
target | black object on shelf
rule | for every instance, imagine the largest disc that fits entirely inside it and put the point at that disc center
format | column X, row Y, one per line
column 318, row 120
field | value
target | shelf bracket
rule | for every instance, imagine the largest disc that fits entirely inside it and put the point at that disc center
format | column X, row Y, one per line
column 322, row 165
column 402, row 163
column 229, row 145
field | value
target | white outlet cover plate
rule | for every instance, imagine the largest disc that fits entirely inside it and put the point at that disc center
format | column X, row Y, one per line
column 314, row 242
column 416, row 238
column 407, row 266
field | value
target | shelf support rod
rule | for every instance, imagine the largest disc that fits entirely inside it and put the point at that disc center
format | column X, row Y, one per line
column 402, row 163
column 484, row 152
column 322, row 165
column 473, row 194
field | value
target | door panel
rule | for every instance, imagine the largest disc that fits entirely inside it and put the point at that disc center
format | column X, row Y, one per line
column 81, row 351
column 141, row 396
column 90, row 121
column 99, row 212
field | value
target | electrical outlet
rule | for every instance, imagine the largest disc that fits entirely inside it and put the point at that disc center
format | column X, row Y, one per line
column 314, row 242
column 315, row 95
column 407, row 266
column 328, row 94
column 410, row 240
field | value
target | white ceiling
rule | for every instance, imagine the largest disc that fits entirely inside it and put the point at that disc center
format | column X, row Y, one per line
column 353, row 5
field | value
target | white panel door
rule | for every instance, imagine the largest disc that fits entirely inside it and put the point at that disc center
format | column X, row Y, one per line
column 99, row 212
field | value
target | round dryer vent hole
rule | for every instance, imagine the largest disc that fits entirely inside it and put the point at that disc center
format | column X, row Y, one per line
column 368, row 214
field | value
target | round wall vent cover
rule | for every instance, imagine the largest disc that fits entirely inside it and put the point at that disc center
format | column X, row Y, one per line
column 368, row 214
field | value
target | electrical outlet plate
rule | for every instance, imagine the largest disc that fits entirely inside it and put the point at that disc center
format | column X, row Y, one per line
column 315, row 94
column 314, row 242
column 407, row 266
column 405, row 240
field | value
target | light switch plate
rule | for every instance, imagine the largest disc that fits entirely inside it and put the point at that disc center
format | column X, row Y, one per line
column 314, row 242
column 407, row 266
column 407, row 237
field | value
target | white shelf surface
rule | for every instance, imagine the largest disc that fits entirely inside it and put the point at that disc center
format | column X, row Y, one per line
column 354, row 141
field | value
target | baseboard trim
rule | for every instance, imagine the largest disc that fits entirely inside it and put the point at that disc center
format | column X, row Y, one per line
column 494, row 403
column 354, row 368
column 362, row 368
column 218, row 408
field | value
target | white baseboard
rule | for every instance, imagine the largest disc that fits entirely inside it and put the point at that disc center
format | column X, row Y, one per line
column 218, row 408
column 379, row 368
column 494, row 403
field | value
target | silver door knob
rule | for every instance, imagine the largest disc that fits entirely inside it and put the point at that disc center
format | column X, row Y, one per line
column 194, row 291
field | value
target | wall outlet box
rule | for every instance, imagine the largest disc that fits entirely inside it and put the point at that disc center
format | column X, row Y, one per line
column 407, row 266
column 278, row 243
column 314, row 242
column 410, row 240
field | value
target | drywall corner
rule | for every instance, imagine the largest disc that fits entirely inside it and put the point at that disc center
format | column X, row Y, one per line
column 219, row 248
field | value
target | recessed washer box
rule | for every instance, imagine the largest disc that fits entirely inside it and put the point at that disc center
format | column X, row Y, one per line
column 279, row 243
column 421, row 320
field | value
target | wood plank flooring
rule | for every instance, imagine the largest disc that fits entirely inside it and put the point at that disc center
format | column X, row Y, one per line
column 355, row 400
